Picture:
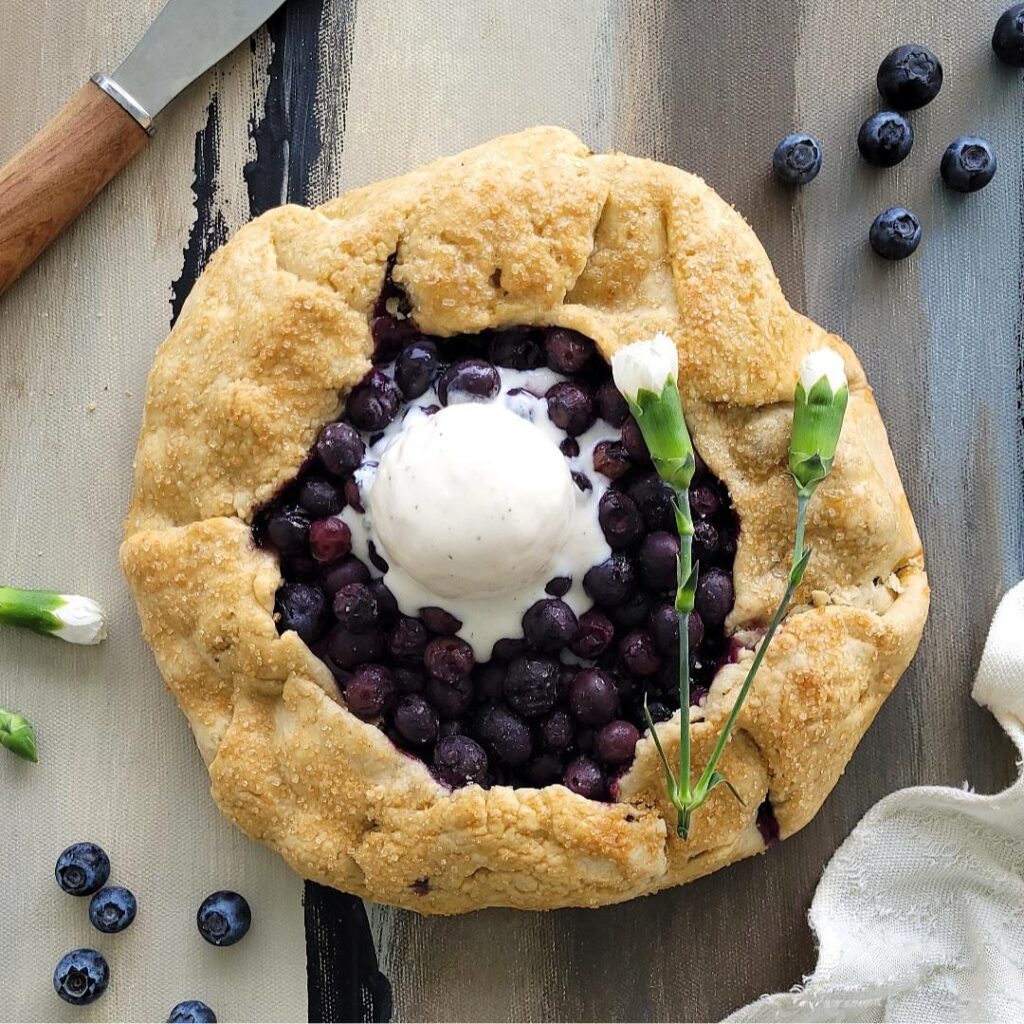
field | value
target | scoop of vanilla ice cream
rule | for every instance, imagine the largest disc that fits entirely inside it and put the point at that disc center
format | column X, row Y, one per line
column 473, row 500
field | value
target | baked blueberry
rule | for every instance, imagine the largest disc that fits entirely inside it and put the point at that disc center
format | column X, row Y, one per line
column 656, row 502
column 968, row 164
column 714, row 597
column 570, row 407
column 373, row 403
column 416, row 367
column 448, row 658
column 507, row 735
column 81, row 976
column 558, row 731
column 192, row 1011
column 390, row 333
column 288, row 530
column 348, row 649
column 797, row 159
column 612, row 406
column 567, row 351
column 518, row 348
column 437, row 620
column 705, row 541
column 1008, row 37
column 657, row 561
column 330, row 539
column 620, row 520
column 450, row 698
column 416, row 721
column 634, row 443
column 531, row 685
column 468, row 380
column 301, row 607
column 611, row 459
column 355, row 608
column 631, row 612
column 460, row 761
column 82, row 869
column 408, row 639
column 320, row 498
column 593, row 698
column 558, row 586
column 658, row 711
column 369, row 690
column 350, row 489
column 896, row 233
column 408, row 679
column 387, row 606
column 570, row 448
column 611, row 582
column 490, row 681
column 638, row 653
column 224, row 918
column 594, row 635
column 885, row 139
column 910, row 76
column 550, row 624
column 112, row 909
column 340, row 448
column 584, row 777
column 616, row 742
column 543, row 770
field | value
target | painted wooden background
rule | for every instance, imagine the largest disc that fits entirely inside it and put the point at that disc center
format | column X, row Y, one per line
column 336, row 93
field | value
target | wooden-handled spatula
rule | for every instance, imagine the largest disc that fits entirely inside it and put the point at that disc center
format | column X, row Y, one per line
column 59, row 172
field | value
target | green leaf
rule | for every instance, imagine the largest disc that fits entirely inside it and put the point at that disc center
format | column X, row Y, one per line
column 687, row 590
column 718, row 779
column 670, row 780
column 796, row 574
column 17, row 735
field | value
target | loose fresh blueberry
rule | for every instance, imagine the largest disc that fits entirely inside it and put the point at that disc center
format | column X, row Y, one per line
column 885, row 139
column 1008, row 38
column 797, row 159
column 329, row 540
column 714, row 597
column 531, row 685
column 634, row 443
column 460, row 761
column 611, row 582
column 452, row 698
column 348, row 649
column 639, row 654
column 657, row 561
column 416, row 721
column 570, row 407
column 612, row 406
column 469, row 380
column 558, row 731
column 570, row 448
column 320, row 498
column 82, row 869
column 301, row 607
column 620, row 520
column 408, row 639
column 112, row 909
column 968, row 164
column 896, row 233
column 593, row 698
column 437, row 620
column 518, row 348
column 81, row 976
column 550, row 624
column 416, row 368
column 558, row 586
column 567, row 351
column 448, row 658
column 595, row 634
column 355, row 608
column 611, row 459
column 369, row 691
column 223, row 918
column 288, row 531
column 192, row 1011
column 508, row 736
column 910, row 76
column 584, row 777
column 340, row 448
column 616, row 742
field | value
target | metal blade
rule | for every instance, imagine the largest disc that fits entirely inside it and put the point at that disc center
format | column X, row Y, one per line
column 187, row 38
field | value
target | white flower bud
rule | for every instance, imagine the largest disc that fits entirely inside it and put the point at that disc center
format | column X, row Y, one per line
column 823, row 362
column 645, row 366
column 82, row 620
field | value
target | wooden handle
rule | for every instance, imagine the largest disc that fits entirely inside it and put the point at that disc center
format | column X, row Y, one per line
column 55, row 177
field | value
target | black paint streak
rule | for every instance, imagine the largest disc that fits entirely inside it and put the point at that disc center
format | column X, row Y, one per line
column 343, row 981
column 342, row 977
column 209, row 229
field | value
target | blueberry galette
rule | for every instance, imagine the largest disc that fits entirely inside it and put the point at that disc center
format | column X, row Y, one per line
column 400, row 551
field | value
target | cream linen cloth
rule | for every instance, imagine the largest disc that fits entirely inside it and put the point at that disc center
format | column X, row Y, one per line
column 920, row 914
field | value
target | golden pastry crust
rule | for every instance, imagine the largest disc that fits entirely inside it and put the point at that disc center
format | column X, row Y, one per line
column 530, row 228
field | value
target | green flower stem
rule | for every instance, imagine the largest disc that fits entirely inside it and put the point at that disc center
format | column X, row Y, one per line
column 30, row 609
column 17, row 735
column 707, row 780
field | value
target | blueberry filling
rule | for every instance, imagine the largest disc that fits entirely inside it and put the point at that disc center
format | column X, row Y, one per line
column 562, row 701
